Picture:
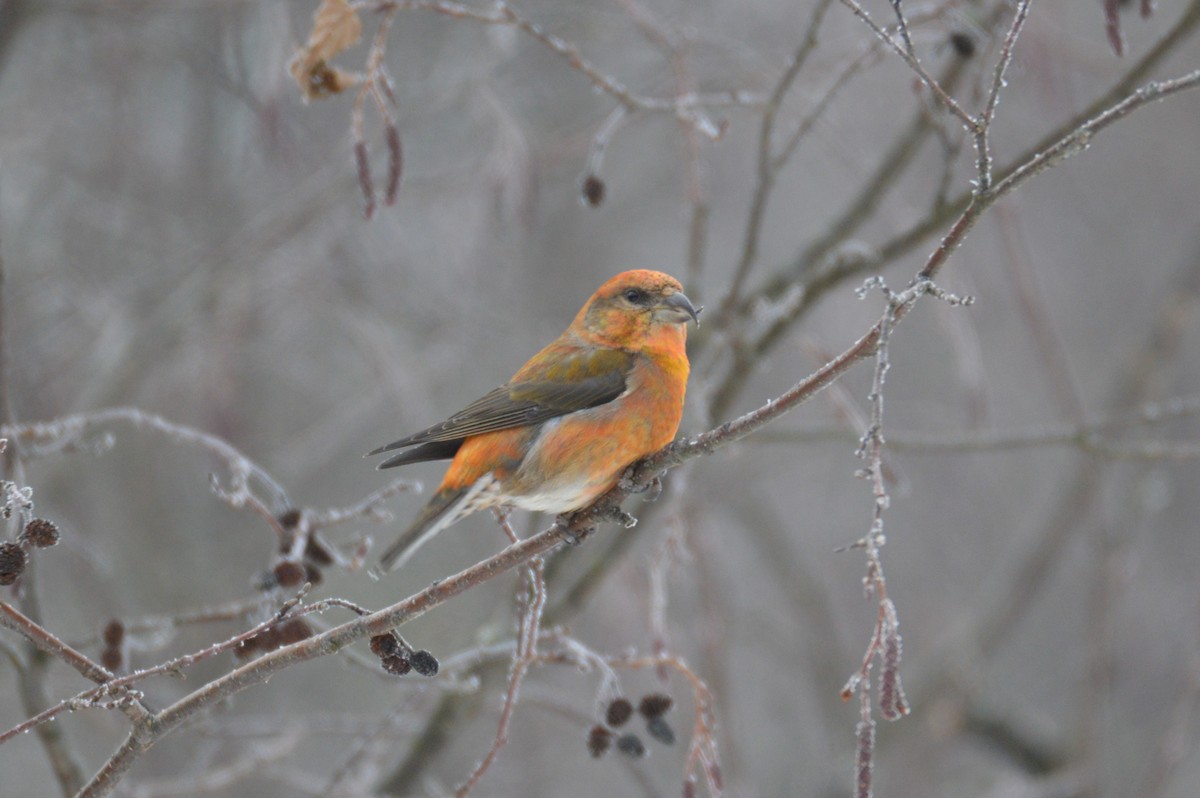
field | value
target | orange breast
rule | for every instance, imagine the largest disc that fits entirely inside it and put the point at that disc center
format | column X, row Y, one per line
column 578, row 457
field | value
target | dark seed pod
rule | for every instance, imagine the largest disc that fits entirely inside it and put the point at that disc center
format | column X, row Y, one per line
column 599, row 739
column 593, row 189
column 246, row 649
column 631, row 745
column 385, row 645
column 289, row 573
column 424, row 663
column 658, row 728
column 12, row 562
column 114, row 633
column 294, row 631
column 40, row 533
column 655, row 704
column 267, row 639
column 397, row 665
column 111, row 658
column 619, row 711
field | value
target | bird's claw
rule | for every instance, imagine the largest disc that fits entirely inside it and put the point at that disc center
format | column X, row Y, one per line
column 629, row 484
column 563, row 522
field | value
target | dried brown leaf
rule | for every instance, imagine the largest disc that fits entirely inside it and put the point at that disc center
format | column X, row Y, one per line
column 336, row 28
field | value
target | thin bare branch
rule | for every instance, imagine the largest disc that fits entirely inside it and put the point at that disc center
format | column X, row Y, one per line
column 68, row 430
column 766, row 170
column 902, row 26
column 529, row 630
column 687, row 108
column 1093, row 436
column 1079, row 139
column 983, row 153
column 910, row 58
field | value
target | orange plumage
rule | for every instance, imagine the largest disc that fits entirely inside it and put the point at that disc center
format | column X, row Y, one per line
column 559, row 434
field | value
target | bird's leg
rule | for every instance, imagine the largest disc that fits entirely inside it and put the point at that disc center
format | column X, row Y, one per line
column 563, row 522
column 630, row 484
column 502, row 514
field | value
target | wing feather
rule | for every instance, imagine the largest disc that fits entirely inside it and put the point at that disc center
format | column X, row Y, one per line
column 536, row 394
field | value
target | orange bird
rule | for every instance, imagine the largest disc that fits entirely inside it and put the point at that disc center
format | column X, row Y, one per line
column 561, row 432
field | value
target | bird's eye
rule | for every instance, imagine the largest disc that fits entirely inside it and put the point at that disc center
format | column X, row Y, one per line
column 634, row 295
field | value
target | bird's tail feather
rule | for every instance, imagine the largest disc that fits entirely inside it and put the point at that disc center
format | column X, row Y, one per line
column 447, row 507
column 436, row 516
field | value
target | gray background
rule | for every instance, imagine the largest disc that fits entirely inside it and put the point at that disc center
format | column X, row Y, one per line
column 181, row 233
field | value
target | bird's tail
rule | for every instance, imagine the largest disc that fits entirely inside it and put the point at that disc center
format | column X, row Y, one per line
column 443, row 509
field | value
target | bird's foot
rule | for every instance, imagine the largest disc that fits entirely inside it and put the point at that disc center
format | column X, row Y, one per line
column 629, row 484
column 563, row 522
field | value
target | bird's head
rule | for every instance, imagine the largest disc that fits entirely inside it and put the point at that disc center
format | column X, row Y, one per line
column 637, row 307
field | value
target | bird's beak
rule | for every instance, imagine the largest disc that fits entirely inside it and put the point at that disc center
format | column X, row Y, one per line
column 679, row 308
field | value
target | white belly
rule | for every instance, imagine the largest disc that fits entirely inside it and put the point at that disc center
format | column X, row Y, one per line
column 557, row 498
